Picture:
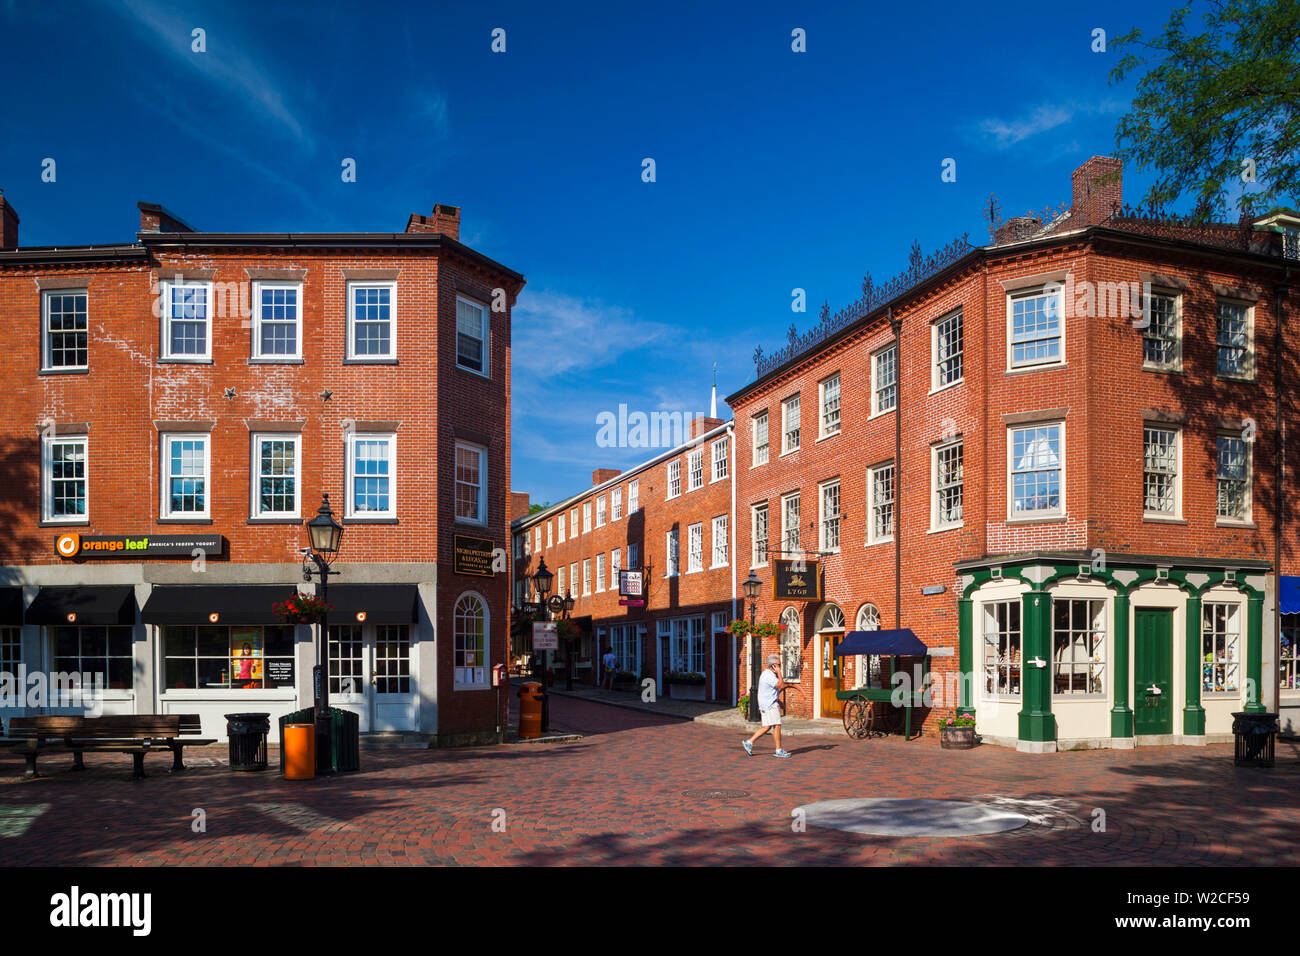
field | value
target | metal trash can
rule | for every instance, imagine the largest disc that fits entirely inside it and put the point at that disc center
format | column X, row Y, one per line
column 1255, row 736
column 247, row 734
column 343, row 754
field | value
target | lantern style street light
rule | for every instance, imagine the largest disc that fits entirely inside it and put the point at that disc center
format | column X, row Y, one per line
column 753, row 587
column 542, row 579
column 326, row 537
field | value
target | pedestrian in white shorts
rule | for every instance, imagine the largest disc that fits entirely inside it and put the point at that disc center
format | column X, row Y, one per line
column 769, row 686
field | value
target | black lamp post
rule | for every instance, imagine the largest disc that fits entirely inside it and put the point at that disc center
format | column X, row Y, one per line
column 753, row 587
column 325, row 535
column 568, row 651
column 542, row 579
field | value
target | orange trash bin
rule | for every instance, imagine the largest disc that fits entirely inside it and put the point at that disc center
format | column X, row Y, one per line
column 299, row 745
column 530, row 710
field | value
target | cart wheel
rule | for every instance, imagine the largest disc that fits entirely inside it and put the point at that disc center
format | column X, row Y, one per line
column 858, row 717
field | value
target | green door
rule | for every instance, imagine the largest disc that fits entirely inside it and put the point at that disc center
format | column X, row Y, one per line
column 1153, row 671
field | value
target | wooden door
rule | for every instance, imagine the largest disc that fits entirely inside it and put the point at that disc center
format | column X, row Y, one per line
column 1153, row 671
column 831, row 706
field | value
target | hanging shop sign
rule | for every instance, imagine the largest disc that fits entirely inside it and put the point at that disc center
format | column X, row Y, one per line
column 73, row 545
column 471, row 556
column 796, row 581
column 546, row 636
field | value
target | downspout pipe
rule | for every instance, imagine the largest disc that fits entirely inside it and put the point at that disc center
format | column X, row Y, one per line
column 1279, row 496
column 896, row 324
column 734, row 453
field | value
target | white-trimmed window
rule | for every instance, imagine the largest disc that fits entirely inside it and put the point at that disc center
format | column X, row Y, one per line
column 670, row 556
column 634, row 556
column 633, row 496
column 830, row 515
column 884, row 380
column 880, row 507
column 277, row 320
column 829, row 394
column 549, row 535
column 1162, row 339
column 1220, row 647
column 1289, row 661
column 758, row 430
column 586, row 517
column 371, row 475
column 372, row 320
column 616, row 504
column 949, row 488
column 790, row 425
column 64, row 488
column 537, row 538
column 519, row 546
column 600, row 573
column 615, row 565
column 1037, row 473
column 791, row 645
column 687, row 644
column 573, row 576
column 946, row 347
column 674, row 478
column 758, row 526
column 1233, row 478
column 720, row 459
column 1161, row 488
column 1035, row 331
column 586, row 576
column 471, row 335
column 1078, row 646
column 559, row 529
column 65, row 339
column 471, row 487
column 186, row 467
column 187, row 319
column 869, row 671
column 720, row 543
column 559, row 580
column 695, row 549
column 1235, row 340
column 573, row 522
column 600, row 512
column 1002, row 634
column 471, row 636
column 528, row 543
column 695, row 469
column 790, row 523
column 277, row 467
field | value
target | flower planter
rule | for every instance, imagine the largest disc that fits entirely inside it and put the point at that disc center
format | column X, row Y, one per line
column 957, row 738
column 685, row 691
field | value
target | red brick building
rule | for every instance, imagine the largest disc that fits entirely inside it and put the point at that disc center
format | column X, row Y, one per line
column 672, row 518
column 1058, row 460
column 187, row 397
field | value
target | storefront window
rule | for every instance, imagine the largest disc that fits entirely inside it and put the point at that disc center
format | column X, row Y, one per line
column 791, row 643
column 11, row 649
column 688, row 645
column 347, row 660
column 1289, row 662
column 95, row 650
column 1220, row 647
column 1078, row 646
column 216, row 657
column 392, row 659
column 471, row 642
column 1002, row 648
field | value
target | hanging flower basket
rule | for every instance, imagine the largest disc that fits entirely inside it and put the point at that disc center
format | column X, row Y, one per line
column 765, row 632
column 301, row 609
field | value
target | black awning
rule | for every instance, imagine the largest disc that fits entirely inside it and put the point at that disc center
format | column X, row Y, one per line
column 11, row 607
column 113, row 604
column 380, row 603
column 231, row 603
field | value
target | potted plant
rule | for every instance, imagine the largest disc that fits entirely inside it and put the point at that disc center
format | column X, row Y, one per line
column 686, row 685
column 957, row 733
column 743, row 703
column 625, row 680
column 301, row 608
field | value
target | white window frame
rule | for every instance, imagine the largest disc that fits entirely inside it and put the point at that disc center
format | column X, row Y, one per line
column 165, row 288
column 573, row 577
column 259, row 286
column 721, row 468
column 486, row 649
column 873, row 537
column 482, row 502
column 721, row 543
column 695, row 547
column 600, row 512
column 559, row 528
column 753, row 534
column 573, row 523
column 633, row 556
column 537, row 538
column 586, row 576
column 600, row 572
column 877, row 386
column 1009, row 662
column 823, row 387
column 823, row 519
column 586, row 517
column 761, row 450
column 350, row 352
column 1249, row 359
column 959, row 355
column 672, row 555
column 1233, row 635
column 550, row 537
column 1036, row 515
column 1248, row 450
column 165, row 466
column 1033, row 292
column 47, row 364
column 695, row 469
column 485, row 329
column 616, row 504
column 349, row 510
column 789, row 545
column 1176, row 363
column 633, row 496
column 936, row 513
column 47, row 478
column 615, row 565
column 255, row 475
column 786, row 446
column 674, row 479
column 1177, row 513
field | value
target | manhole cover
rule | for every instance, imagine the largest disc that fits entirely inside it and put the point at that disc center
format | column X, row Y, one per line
column 715, row 794
column 912, row 818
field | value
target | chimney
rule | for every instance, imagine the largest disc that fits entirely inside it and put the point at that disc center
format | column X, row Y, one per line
column 8, row 224
column 518, row 505
column 1017, row 228
column 701, row 425
column 445, row 220
column 602, row 475
column 154, row 218
column 1098, row 186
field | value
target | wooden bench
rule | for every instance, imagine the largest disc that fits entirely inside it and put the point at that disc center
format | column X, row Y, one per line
column 133, row 734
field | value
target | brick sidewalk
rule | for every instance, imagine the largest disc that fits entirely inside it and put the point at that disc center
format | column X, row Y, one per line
column 630, row 793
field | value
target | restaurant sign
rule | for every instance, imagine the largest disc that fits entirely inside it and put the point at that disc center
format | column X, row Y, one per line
column 472, row 556
column 796, row 581
column 74, row 545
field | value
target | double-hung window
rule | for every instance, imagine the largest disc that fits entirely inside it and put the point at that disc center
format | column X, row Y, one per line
column 559, row 530
column 600, row 573
column 186, row 465
column 66, row 336
column 187, row 320
column 634, row 556
column 586, row 517
column 720, row 459
column 600, row 512
column 948, row 485
column 695, row 550
column 674, row 478
column 372, row 319
column 616, row 504
column 633, row 496
column 1235, row 340
column 790, row 523
column 880, row 491
column 1233, row 478
column 946, row 347
column 550, row 534
column 615, row 563
column 829, row 392
column 830, row 516
column 884, row 380
column 720, row 548
column 559, row 580
column 371, row 475
column 1036, row 329
column 1160, row 491
column 670, row 557
column 1162, row 337
column 586, row 576
column 758, row 525
column 573, row 576
column 277, row 321
column 471, row 335
column 471, row 486
column 1037, row 471
column 63, row 485
column 758, row 427
column 790, row 425
column 573, row 522
column 277, row 465
column 695, row 469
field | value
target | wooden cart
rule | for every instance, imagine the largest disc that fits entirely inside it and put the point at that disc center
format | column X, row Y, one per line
column 861, row 703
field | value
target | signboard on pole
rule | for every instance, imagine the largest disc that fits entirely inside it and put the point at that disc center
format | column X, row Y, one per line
column 631, row 584
column 796, row 581
column 545, row 636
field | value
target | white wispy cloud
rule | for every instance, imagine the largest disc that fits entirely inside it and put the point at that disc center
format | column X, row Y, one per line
column 1005, row 133
column 555, row 333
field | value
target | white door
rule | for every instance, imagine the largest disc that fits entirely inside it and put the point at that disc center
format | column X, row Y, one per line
column 392, row 688
column 350, row 671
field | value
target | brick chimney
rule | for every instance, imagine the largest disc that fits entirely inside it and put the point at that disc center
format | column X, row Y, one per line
column 445, row 219
column 701, row 425
column 602, row 475
column 154, row 218
column 1098, row 185
column 8, row 224
column 518, row 505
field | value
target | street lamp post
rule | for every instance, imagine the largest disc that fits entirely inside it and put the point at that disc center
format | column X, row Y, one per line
column 568, row 651
column 326, row 535
column 542, row 586
column 752, row 587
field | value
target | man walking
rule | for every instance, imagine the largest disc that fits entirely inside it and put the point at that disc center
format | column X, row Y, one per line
column 609, row 662
column 769, row 686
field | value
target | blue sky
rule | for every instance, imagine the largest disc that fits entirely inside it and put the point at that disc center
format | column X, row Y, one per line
column 775, row 170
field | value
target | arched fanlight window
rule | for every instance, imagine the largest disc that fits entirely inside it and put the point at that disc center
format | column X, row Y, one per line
column 868, row 618
column 867, row 667
column 470, row 632
column 830, row 618
column 791, row 644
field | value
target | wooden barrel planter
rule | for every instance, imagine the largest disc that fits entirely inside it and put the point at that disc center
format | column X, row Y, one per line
column 956, row 738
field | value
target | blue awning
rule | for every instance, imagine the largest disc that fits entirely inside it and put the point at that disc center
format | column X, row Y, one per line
column 1290, row 596
column 902, row 642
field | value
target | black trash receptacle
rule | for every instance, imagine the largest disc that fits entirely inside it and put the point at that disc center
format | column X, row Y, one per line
column 247, row 734
column 1254, row 735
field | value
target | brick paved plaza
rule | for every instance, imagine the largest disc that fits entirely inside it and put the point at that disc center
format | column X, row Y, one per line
column 617, row 797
